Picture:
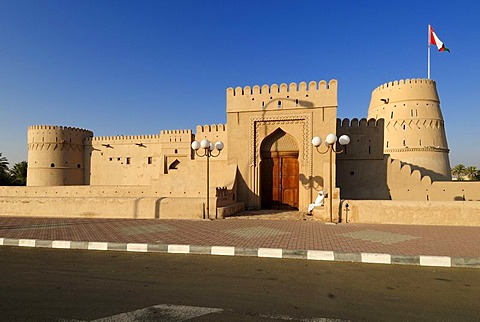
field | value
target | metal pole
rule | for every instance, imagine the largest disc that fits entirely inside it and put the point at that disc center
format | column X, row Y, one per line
column 207, row 152
column 428, row 75
column 330, row 197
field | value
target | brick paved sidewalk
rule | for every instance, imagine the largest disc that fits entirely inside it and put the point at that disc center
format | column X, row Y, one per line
column 407, row 244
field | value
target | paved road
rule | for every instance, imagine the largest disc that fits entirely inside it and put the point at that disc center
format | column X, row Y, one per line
column 76, row 285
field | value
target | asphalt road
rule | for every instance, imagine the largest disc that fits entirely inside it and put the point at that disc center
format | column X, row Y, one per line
column 68, row 285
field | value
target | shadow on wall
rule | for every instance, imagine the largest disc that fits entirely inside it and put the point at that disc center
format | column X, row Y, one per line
column 363, row 179
column 312, row 182
column 426, row 172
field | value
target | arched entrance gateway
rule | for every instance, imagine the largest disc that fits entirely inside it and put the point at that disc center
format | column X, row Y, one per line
column 279, row 171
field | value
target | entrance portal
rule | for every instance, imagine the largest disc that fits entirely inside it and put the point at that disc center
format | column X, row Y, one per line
column 279, row 172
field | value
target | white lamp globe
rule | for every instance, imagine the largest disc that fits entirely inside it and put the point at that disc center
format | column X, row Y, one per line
column 219, row 145
column 211, row 146
column 195, row 145
column 344, row 140
column 204, row 144
column 331, row 138
column 316, row 141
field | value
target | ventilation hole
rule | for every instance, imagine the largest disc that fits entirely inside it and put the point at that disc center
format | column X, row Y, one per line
column 52, row 165
column 78, row 165
column 352, row 173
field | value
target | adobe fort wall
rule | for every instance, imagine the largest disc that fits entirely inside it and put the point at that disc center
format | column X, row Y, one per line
column 414, row 125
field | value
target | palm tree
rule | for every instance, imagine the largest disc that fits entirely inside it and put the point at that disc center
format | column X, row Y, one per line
column 458, row 171
column 19, row 173
column 471, row 172
column 3, row 163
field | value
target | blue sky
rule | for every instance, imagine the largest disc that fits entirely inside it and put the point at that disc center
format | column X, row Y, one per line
column 139, row 67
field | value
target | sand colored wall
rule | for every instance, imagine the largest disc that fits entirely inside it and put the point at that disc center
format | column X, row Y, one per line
column 451, row 213
column 301, row 111
column 414, row 126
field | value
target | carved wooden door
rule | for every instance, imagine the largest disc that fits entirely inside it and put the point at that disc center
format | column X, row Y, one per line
column 280, row 182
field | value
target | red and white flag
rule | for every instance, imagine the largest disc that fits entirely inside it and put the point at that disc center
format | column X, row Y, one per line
column 433, row 39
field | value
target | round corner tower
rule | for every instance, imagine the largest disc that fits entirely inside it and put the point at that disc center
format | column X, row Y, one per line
column 56, row 155
column 414, row 126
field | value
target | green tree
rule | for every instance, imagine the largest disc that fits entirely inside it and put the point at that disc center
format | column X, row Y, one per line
column 458, row 171
column 4, row 175
column 472, row 172
column 3, row 163
column 18, row 173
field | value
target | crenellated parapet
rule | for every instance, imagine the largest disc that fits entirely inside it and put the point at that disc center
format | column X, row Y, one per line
column 211, row 128
column 123, row 139
column 293, row 96
column 402, row 91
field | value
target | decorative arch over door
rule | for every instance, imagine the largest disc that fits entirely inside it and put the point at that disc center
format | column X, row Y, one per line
column 279, row 171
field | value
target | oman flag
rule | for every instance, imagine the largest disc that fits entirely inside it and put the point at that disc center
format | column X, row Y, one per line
column 436, row 41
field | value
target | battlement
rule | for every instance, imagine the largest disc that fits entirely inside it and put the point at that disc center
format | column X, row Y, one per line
column 57, row 128
column 169, row 132
column 412, row 81
column 211, row 128
column 409, row 90
column 293, row 96
column 124, row 138
column 347, row 123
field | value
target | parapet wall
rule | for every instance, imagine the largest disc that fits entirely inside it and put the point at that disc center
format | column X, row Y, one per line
column 404, row 90
column 285, row 96
column 366, row 139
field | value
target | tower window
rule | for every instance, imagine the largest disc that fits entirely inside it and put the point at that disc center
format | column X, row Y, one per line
column 149, row 160
column 296, row 103
column 52, row 165
column 391, row 115
column 127, row 161
column 279, row 104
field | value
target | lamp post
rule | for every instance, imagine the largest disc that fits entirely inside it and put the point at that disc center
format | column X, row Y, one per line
column 330, row 141
column 208, row 148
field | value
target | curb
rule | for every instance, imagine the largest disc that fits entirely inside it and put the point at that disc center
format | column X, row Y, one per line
column 320, row 255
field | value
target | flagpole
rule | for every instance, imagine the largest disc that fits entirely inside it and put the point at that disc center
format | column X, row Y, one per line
column 428, row 52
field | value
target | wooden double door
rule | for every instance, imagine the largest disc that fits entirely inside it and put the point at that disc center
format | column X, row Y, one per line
column 279, row 181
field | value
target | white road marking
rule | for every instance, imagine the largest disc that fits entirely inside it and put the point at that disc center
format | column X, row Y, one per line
column 376, row 258
column 26, row 242
column 443, row 261
column 97, row 246
column 162, row 312
column 320, row 255
column 132, row 247
column 223, row 250
column 270, row 252
column 61, row 244
column 179, row 249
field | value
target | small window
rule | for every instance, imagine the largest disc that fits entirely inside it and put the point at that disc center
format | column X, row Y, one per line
column 296, row 103
column 78, row 165
column 118, row 159
column 127, row 161
column 150, row 160
column 111, row 159
column 279, row 104
column 391, row 115
column 176, row 151
column 52, row 165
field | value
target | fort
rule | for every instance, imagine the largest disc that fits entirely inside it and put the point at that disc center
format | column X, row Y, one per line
column 396, row 168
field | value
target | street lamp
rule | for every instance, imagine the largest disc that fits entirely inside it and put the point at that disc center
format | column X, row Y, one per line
column 330, row 141
column 208, row 148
